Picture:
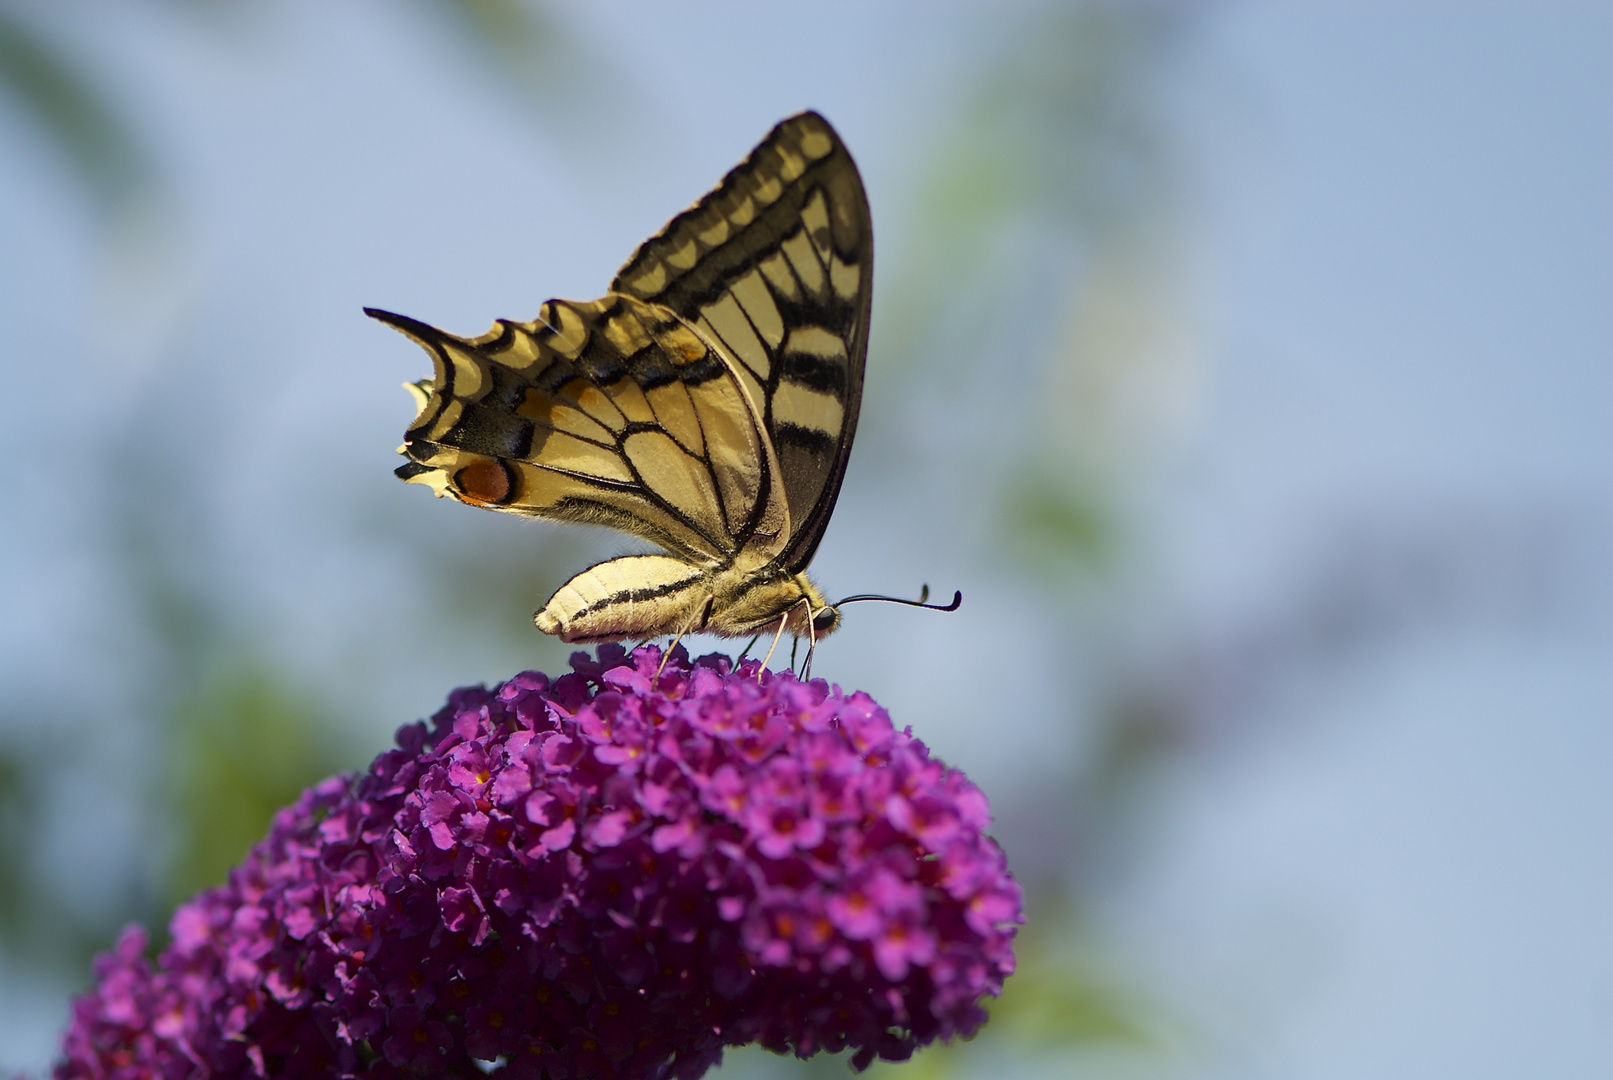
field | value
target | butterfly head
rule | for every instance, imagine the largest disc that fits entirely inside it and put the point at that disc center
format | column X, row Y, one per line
column 825, row 620
column 811, row 616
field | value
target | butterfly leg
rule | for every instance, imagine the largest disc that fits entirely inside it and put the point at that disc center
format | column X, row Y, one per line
column 668, row 654
column 698, row 623
column 795, row 641
column 812, row 643
column 783, row 621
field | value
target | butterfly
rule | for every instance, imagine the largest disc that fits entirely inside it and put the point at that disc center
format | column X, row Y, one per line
column 705, row 404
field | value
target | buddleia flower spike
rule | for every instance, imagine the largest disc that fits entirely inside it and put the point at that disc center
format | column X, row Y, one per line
column 614, row 874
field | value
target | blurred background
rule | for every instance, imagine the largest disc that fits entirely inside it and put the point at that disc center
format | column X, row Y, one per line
column 1249, row 367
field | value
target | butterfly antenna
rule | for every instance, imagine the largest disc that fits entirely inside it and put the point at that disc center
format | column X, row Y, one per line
column 924, row 594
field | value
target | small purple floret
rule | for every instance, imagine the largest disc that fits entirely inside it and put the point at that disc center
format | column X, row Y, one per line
column 614, row 874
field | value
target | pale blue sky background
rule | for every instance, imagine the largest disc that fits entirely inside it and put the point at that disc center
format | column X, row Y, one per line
column 1364, row 465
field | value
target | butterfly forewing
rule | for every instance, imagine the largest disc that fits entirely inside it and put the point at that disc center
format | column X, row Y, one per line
column 776, row 266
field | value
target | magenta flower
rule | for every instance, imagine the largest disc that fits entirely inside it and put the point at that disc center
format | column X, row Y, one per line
column 614, row 874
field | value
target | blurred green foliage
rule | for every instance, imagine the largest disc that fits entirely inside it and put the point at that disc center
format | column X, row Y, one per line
column 55, row 90
column 1061, row 999
column 248, row 743
column 1043, row 259
column 523, row 42
column 250, row 733
column 25, row 925
column 1049, row 523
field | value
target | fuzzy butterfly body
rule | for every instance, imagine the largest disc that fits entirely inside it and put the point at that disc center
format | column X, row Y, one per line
column 705, row 404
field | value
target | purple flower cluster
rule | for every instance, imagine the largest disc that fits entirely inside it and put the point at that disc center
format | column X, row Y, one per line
column 612, row 874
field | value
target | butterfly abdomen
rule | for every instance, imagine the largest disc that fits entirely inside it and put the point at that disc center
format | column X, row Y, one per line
column 640, row 596
column 634, row 596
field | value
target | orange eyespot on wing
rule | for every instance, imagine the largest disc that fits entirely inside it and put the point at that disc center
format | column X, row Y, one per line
column 487, row 482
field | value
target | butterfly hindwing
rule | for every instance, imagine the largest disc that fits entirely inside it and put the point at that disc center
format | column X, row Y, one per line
column 610, row 412
column 776, row 266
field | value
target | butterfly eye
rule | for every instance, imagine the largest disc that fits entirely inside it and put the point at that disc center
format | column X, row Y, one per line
column 826, row 620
